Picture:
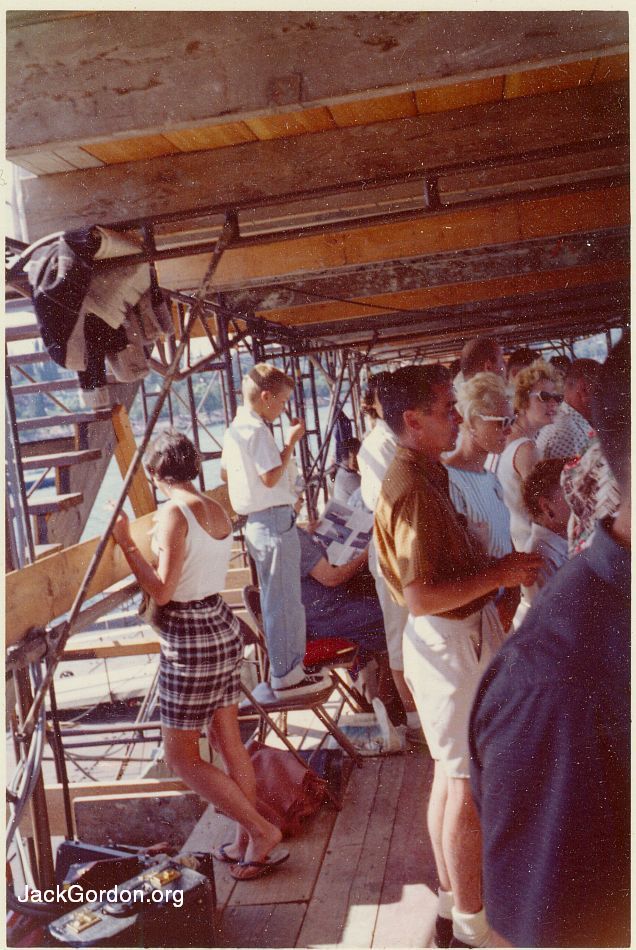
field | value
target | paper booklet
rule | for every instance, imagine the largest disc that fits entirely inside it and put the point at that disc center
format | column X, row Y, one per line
column 345, row 531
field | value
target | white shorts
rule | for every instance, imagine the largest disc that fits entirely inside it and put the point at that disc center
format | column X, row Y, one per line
column 444, row 661
column 393, row 614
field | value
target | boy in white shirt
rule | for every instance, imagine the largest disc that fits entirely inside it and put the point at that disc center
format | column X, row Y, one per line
column 260, row 487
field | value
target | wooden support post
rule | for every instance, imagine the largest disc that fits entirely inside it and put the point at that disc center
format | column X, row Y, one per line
column 140, row 494
column 40, row 827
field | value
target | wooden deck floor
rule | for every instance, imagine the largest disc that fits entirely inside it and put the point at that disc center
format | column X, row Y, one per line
column 361, row 877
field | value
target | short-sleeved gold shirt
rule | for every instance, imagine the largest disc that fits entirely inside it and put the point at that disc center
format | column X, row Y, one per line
column 418, row 533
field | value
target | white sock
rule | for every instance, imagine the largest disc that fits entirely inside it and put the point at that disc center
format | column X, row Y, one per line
column 472, row 929
column 445, row 903
column 413, row 720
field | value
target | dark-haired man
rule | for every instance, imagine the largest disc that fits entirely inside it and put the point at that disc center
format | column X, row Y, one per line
column 445, row 579
column 571, row 432
column 550, row 735
column 483, row 354
column 518, row 360
column 375, row 456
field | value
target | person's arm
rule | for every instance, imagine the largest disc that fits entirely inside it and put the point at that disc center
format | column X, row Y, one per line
column 332, row 575
column 507, row 606
column 158, row 582
column 428, row 598
column 274, row 475
column 525, row 459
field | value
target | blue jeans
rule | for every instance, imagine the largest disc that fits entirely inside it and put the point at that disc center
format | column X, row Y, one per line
column 272, row 541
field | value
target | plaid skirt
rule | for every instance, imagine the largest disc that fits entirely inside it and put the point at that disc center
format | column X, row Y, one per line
column 201, row 654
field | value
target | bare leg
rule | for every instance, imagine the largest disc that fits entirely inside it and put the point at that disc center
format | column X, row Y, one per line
column 435, row 820
column 182, row 755
column 224, row 735
column 462, row 846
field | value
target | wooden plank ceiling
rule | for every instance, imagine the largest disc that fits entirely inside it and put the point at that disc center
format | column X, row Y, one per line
column 447, row 173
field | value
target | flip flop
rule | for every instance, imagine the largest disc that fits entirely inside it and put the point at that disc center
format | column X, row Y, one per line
column 220, row 854
column 250, row 870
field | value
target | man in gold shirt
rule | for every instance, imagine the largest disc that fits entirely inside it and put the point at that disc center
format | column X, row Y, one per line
column 434, row 567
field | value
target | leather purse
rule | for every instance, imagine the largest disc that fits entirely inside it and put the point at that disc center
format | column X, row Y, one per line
column 287, row 793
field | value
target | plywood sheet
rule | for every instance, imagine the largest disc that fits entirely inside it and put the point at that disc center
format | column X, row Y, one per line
column 459, row 95
column 533, row 82
column 291, row 123
column 130, row 150
column 367, row 111
column 212, row 136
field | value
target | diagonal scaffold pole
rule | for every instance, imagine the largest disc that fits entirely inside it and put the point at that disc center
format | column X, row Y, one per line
column 228, row 234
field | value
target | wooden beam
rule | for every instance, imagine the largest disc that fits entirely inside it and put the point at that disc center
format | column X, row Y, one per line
column 470, row 264
column 451, row 232
column 451, row 294
column 121, row 73
column 271, row 171
column 574, row 307
column 140, row 493
column 40, row 592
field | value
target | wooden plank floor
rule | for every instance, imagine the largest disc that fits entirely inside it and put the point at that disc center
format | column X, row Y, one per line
column 361, row 877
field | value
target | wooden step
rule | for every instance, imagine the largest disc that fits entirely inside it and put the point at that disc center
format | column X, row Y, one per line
column 51, row 445
column 65, row 419
column 27, row 331
column 22, row 359
column 61, row 459
column 44, row 503
column 52, row 386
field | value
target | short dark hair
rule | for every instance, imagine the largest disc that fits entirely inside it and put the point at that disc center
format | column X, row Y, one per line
column 351, row 445
column 412, row 387
column 172, row 458
column 521, row 358
column 561, row 362
column 611, row 410
column 478, row 352
column 375, row 385
column 582, row 369
column 454, row 367
column 542, row 481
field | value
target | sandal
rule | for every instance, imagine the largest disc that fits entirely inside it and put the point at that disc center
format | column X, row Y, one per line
column 250, row 870
column 220, row 854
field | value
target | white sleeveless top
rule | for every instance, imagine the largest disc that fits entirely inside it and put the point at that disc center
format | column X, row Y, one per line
column 520, row 524
column 206, row 559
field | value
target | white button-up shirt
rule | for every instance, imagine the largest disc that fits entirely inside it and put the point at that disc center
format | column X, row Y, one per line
column 249, row 451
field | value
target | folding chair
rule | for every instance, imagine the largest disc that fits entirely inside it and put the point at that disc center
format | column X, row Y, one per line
column 266, row 704
column 327, row 653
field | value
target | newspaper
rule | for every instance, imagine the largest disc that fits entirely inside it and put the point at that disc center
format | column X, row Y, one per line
column 345, row 531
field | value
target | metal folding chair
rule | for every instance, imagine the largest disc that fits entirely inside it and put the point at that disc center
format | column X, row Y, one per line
column 266, row 705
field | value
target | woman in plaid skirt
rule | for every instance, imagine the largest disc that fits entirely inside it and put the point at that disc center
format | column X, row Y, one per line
column 201, row 650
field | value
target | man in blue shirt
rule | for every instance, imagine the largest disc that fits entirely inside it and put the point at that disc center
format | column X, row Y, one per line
column 550, row 735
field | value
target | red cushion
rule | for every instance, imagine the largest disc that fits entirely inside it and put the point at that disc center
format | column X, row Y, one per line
column 327, row 649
